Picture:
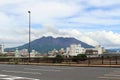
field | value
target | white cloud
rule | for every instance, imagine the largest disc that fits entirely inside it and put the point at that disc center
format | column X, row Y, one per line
column 106, row 38
column 74, row 16
column 101, row 3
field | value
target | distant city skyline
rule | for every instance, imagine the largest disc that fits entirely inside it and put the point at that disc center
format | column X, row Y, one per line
column 91, row 21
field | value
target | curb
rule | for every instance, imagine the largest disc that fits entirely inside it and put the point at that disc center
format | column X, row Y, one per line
column 71, row 65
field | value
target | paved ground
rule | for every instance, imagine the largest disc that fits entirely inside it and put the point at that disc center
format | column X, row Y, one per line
column 32, row 72
column 9, row 77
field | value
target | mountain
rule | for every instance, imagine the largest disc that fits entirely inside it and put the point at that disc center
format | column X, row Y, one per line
column 45, row 44
column 114, row 50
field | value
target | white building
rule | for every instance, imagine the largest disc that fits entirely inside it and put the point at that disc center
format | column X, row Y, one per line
column 98, row 50
column 33, row 53
column 61, row 51
column 75, row 49
column 17, row 53
column 1, row 48
column 54, row 52
column 24, row 52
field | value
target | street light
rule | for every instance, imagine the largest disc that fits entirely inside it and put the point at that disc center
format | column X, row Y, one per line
column 29, row 48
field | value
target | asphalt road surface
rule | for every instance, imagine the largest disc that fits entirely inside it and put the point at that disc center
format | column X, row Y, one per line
column 33, row 72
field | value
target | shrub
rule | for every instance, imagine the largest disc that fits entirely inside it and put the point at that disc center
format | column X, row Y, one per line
column 16, row 61
column 79, row 57
column 59, row 58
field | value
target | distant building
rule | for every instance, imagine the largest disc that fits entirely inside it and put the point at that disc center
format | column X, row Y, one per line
column 10, row 53
column 33, row 53
column 24, row 53
column 75, row 49
column 1, row 48
column 54, row 52
column 61, row 51
column 98, row 50
column 17, row 53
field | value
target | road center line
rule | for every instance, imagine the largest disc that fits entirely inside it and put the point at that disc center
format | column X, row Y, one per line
column 22, row 72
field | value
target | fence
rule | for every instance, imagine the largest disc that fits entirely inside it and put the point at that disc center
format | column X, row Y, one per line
column 108, row 60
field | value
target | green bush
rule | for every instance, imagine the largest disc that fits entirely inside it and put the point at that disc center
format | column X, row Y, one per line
column 16, row 61
column 3, row 55
column 59, row 58
column 79, row 57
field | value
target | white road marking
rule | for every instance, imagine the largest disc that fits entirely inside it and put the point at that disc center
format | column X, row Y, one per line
column 9, row 65
column 115, row 72
column 111, row 75
column 10, row 77
column 105, row 77
column 22, row 72
column 49, row 70
column 2, row 75
column 51, row 67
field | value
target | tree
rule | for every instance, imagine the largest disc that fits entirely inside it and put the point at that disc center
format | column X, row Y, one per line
column 59, row 58
column 3, row 55
column 81, row 57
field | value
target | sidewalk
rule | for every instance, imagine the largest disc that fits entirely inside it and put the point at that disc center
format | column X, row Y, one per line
column 61, row 64
column 73, row 65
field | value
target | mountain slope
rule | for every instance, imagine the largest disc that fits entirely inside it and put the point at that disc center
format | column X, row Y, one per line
column 45, row 44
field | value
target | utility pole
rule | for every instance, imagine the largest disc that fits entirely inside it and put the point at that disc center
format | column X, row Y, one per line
column 29, row 48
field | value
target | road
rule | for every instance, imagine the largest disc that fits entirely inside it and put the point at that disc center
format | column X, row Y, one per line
column 33, row 72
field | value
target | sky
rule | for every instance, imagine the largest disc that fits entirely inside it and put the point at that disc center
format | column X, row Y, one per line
column 95, row 22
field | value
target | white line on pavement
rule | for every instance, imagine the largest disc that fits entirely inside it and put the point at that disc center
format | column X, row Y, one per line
column 1, row 75
column 115, row 72
column 111, row 75
column 57, row 67
column 8, row 65
column 49, row 70
column 22, row 72
column 118, row 78
column 10, row 77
